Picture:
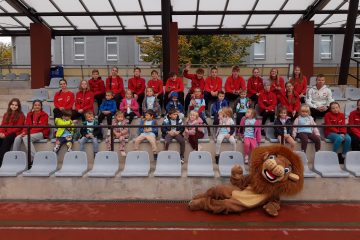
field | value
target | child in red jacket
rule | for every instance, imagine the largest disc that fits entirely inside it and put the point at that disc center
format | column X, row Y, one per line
column 300, row 83
column 277, row 83
column 36, row 117
column 157, row 85
column 63, row 99
column 234, row 84
column 267, row 104
column 137, row 87
column 115, row 84
column 354, row 132
column 255, row 86
column 84, row 101
column 213, row 85
column 197, row 81
column 337, row 134
column 97, row 86
column 174, row 84
column 12, row 117
column 290, row 101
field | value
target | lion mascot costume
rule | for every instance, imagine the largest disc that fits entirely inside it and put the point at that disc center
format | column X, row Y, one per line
column 275, row 171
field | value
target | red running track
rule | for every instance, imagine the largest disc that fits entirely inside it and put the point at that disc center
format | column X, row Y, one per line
column 108, row 220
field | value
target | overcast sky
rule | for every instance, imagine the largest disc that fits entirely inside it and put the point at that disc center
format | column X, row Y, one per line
column 5, row 39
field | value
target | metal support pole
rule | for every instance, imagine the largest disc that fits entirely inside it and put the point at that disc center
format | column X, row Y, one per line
column 29, row 148
column 166, row 19
column 348, row 42
column 112, row 138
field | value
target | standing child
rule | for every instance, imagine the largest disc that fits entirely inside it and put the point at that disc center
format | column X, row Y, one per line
column 121, row 132
column 307, row 132
column 252, row 135
column 213, row 84
column 137, row 86
column 151, row 102
column 267, row 103
column 197, row 81
column 174, row 84
column 148, row 133
column 170, row 132
column 174, row 103
column 64, row 135
column 218, row 106
column 337, row 134
column 242, row 104
column 129, row 106
column 225, row 118
column 284, row 134
column 194, row 133
column 90, row 133
column 97, row 86
column 107, row 108
column 157, row 85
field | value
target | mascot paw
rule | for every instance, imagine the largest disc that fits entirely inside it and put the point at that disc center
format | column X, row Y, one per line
column 196, row 204
column 272, row 208
column 236, row 170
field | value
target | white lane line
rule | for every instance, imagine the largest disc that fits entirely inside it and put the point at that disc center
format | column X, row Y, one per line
column 182, row 229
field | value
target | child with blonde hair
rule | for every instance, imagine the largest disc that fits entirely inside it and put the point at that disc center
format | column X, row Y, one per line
column 151, row 102
column 121, row 132
column 225, row 118
column 309, row 131
column 251, row 135
column 129, row 106
column 194, row 133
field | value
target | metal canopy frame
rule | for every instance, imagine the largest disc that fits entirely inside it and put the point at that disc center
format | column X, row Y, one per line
column 23, row 9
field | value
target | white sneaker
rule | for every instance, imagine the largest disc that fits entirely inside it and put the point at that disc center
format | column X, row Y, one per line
column 123, row 153
column 69, row 150
column 200, row 148
column 108, row 132
column 56, row 148
column 246, row 159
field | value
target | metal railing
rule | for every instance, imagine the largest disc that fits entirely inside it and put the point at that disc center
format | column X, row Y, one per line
column 357, row 71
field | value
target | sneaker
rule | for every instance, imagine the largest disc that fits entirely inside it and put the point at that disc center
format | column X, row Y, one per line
column 182, row 159
column 341, row 158
column 199, row 148
column 56, row 148
column 246, row 159
column 263, row 132
column 155, row 156
column 123, row 153
column 69, row 149
column 217, row 159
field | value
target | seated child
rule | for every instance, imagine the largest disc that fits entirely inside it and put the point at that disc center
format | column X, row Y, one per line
column 194, row 133
column 107, row 108
column 148, row 133
column 225, row 118
column 283, row 134
column 251, row 135
column 64, row 135
column 174, row 103
column 151, row 102
column 306, row 133
column 121, row 132
column 129, row 106
column 242, row 104
column 89, row 133
column 217, row 107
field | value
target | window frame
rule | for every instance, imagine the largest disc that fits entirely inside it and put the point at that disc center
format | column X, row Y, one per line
column 288, row 55
column 323, row 56
column 116, row 43
column 79, row 57
column 258, row 56
column 356, row 40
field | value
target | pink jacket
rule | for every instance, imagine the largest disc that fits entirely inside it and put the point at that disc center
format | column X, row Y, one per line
column 191, row 130
column 134, row 106
column 257, row 131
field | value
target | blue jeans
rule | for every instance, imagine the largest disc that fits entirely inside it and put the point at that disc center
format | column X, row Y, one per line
column 338, row 140
column 84, row 140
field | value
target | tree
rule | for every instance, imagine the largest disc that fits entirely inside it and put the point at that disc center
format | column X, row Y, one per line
column 5, row 53
column 201, row 49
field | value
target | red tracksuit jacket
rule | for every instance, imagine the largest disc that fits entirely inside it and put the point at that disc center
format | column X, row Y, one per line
column 334, row 119
column 12, row 122
column 299, row 87
column 137, row 85
column 281, row 83
column 174, row 86
column 116, row 86
column 267, row 101
column 292, row 103
column 213, row 85
column 37, row 119
column 157, row 85
column 354, row 119
column 232, row 85
column 195, row 82
column 254, row 86
column 84, row 101
column 97, row 86
column 64, row 99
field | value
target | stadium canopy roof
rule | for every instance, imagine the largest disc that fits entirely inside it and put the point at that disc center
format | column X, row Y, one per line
column 128, row 17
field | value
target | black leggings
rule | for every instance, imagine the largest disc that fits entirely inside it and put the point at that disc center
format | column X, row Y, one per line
column 355, row 142
column 5, row 145
column 266, row 115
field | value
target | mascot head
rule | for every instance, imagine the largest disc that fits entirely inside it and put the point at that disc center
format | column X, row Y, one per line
column 276, row 170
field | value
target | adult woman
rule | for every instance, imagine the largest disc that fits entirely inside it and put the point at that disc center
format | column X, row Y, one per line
column 115, row 84
column 255, row 86
column 277, row 83
column 12, row 117
column 354, row 132
column 290, row 100
column 63, row 99
column 37, row 117
column 84, row 100
column 300, row 83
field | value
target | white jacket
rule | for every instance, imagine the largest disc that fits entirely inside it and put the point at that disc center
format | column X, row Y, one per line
column 319, row 97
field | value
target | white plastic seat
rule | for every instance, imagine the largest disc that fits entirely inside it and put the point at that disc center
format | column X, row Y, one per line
column 352, row 93
column 73, row 82
column 25, row 109
column 270, row 134
column 10, row 77
column 106, row 164
column 137, row 164
column 47, row 109
column 349, row 107
column 352, row 163
column 227, row 160
column 200, row 164
column 40, row 94
column 307, row 172
column 54, row 83
column 326, row 163
column 45, row 164
column 75, row 164
column 24, row 77
column 168, row 164
column 337, row 94
column 14, row 163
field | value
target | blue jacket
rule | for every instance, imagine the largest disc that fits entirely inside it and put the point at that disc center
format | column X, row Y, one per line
column 167, row 124
column 171, row 104
column 218, row 105
column 280, row 130
column 153, row 129
column 108, row 105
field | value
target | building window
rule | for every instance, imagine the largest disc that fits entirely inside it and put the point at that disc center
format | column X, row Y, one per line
column 326, row 46
column 111, row 49
column 79, row 48
column 259, row 49
column 289, row 47
column 356, row 46
column 141, row 52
